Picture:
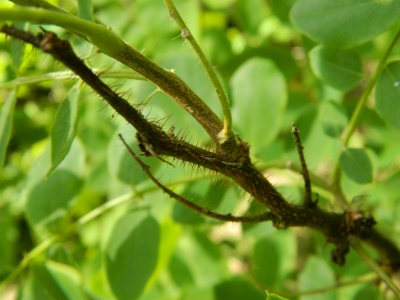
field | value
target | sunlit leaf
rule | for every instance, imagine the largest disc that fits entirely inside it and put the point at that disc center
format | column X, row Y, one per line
column 343, row 23
column 341, row 69
column 259, row 95
column 356, row 165
column 387, row 94
column 64, row 128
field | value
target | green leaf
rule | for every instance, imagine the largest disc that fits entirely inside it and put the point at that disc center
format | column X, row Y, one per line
column 281, row 8
column 343, row 23
column 266, row 270
column 272, row 296
column 334, row 118
column 17, row 48
column 132, row 254
column 249, row 18
column 341, row 69
column 387, row 94
column 64, row 128
column 237, row 288
column 317, row 274
column 50, row 199
column 259, row 101
column 59, row 280
column 85, row 10
column 202, row 257
column 356, row 164
column 6, row 119
column 169, row 236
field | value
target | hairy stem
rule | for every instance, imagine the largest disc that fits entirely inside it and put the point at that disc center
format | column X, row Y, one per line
column 110, row 44
column 186, row 34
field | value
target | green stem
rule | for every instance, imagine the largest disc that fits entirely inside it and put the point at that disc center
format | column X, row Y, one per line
column 186, row 34
column 355, row 244
column 360, row 106
column 110, row 44
column 99, row 35
column 364, row 97
column 125, row 74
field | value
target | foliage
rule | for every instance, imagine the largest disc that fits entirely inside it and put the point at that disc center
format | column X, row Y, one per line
column 80, row 218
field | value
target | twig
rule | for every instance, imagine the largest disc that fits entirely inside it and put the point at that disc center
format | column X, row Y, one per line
column 304, row 171
column 227, row 217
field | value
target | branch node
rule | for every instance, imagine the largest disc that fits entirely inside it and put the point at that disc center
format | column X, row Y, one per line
column 147, row 148
column 185, row 33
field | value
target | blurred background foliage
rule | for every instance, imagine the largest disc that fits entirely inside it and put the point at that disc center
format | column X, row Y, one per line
column 107, row 233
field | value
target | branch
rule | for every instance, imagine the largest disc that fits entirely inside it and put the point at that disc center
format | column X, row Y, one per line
column 237, row 165
column 227, row 217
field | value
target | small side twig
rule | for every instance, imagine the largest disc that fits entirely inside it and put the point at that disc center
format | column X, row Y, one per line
column 304, row 171
column 222, row 217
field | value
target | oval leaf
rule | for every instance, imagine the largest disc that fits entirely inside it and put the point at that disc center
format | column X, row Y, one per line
column 132, row 254
column 343, row 23
column 259, row 101
column 50, row 199
column 64, row 128
column 387, row 94
column 341, row 69
column 46, row 201
column 6, row 119
column 356, row 165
